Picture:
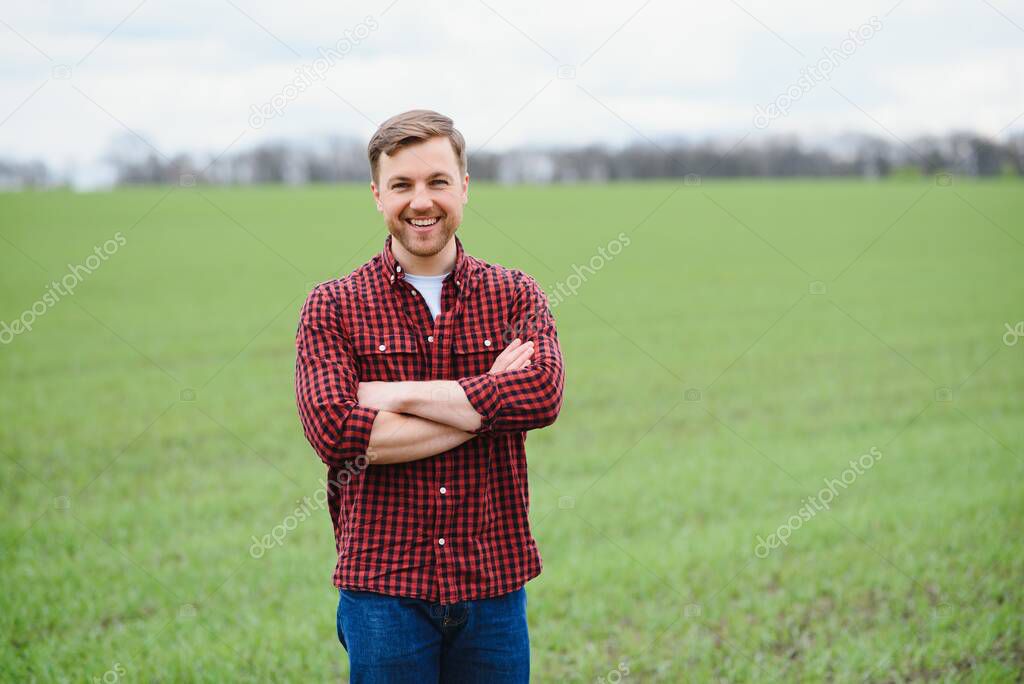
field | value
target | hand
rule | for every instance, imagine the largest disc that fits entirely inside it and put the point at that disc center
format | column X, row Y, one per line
column 378, row 395
column 515, row 356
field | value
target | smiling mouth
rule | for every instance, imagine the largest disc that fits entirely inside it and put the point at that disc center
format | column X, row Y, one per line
column 423, row 223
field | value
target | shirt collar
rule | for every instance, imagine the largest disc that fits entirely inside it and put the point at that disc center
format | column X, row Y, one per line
column 462, row 274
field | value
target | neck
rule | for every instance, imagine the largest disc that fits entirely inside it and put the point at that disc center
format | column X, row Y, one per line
column 442, row 262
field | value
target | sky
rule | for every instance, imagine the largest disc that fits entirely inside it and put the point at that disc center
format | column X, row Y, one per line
column 222, row 75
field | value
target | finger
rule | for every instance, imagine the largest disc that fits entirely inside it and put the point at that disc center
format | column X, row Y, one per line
column 507, row 351
column 510, row 358
column 523, row 351
column 520, row 362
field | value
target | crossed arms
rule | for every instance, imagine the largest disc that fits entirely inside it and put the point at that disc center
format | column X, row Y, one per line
column 417, row 419
column 405, row 421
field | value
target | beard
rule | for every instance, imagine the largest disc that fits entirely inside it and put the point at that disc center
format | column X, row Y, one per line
column 423, row 245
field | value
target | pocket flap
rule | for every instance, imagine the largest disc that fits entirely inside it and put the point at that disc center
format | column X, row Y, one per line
column 469, row 341
column 384, row 343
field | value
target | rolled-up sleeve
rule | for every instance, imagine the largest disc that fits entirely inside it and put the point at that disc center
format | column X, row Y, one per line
column 326, row 382
column 531, row 397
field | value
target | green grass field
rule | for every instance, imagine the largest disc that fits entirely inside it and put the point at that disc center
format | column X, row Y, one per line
column 751, row 340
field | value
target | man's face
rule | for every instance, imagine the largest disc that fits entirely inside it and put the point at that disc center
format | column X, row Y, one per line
column 421, row 181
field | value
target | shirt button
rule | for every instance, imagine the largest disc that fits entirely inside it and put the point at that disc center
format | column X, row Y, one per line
column 443, row 490
column 441, row 541
column 398, row 268
column 430, row 338
column 392, row 278
column 382, row 347
column 487, row 343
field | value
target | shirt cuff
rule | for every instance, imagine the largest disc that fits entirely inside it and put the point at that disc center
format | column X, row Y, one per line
column 483, row 395
column 358, row 425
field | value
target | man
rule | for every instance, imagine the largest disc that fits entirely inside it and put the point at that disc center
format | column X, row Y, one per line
column 405, row 392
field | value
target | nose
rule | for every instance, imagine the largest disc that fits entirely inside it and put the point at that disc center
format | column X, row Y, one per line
column 420, row 201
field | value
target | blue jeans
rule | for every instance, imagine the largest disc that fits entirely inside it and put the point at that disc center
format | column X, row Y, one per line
column 395, row 639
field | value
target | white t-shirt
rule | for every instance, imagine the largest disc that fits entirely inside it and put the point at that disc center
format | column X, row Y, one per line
column 430, row 288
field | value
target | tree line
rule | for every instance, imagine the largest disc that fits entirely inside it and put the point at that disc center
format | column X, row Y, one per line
column 130, row 160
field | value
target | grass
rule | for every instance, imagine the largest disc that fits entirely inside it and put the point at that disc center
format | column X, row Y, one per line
column 751, row 339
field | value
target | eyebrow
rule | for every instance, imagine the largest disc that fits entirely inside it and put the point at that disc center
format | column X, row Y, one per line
column 406, row 178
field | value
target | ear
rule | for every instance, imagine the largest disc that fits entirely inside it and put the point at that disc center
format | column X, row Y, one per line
column 376, row 196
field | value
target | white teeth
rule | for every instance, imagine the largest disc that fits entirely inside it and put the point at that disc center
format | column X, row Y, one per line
column 423, row 222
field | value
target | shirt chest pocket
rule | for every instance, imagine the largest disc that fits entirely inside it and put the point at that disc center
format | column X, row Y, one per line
column 474, row 352
column 387, row 356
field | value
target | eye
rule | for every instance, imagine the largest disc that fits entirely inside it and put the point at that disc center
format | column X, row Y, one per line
column 399, row 185
column 441, row 180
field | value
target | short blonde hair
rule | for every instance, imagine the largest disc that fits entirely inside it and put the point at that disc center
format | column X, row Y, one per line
column 409, row 128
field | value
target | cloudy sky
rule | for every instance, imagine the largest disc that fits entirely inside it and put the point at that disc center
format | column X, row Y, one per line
column 191, row 76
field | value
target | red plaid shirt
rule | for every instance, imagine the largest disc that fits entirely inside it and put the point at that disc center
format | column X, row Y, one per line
column 389, row 520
